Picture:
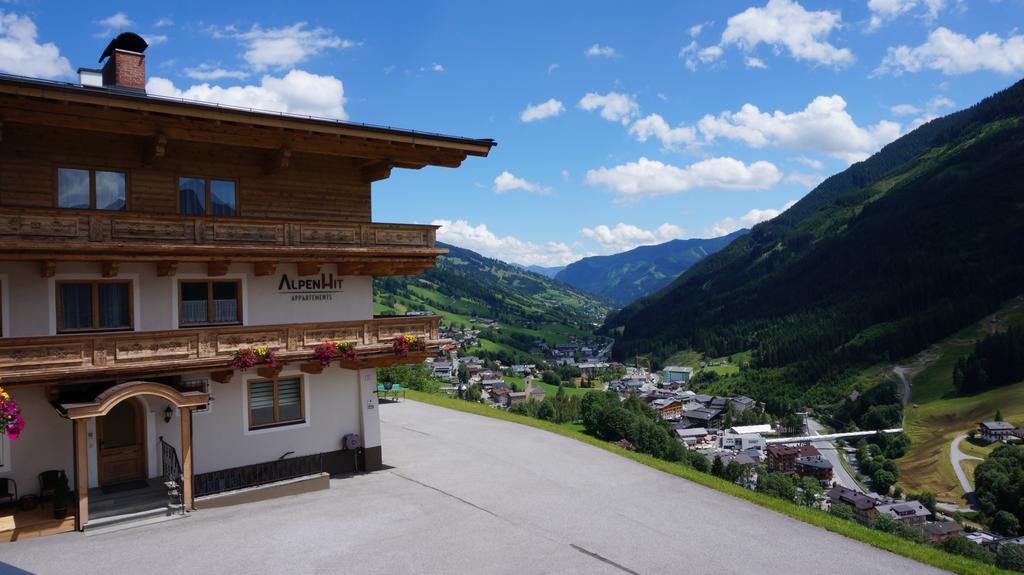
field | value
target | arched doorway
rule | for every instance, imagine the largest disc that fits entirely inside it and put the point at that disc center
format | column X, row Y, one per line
column 121, row 444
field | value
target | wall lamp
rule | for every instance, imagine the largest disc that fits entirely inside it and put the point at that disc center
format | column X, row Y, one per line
column 168, row 414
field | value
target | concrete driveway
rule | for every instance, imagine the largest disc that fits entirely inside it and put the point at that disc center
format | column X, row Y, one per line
column 469, row 494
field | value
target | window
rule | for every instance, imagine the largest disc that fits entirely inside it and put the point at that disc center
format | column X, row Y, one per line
column 201, row 197
column 210, row 302
column 94, row 305
column 273, row 403
column 91, row 189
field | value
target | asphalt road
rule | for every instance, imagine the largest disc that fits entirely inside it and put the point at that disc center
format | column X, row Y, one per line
column 831, row 453
column 468, row 494
column 955, row 457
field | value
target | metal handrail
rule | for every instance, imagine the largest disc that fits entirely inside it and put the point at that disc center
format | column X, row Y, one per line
column 173, row 475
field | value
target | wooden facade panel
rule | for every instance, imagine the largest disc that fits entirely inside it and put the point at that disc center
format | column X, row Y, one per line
column 149, row 230
column 226, row 232
column 56, row 354
column 312, row 187
column 232, row 342
column 388, row 332
column 314, row 337
column 156, row 348
column 314, row 235
column 397, row 237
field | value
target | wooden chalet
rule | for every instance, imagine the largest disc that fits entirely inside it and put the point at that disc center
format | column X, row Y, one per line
column 144, row 241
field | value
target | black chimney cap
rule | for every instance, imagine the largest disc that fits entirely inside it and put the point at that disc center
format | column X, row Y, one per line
column 129, row 41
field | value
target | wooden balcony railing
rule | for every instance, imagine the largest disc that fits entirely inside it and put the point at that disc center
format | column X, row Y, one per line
column 92, row 234
column 62, row 358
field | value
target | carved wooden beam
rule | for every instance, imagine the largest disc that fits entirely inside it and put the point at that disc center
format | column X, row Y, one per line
column 264, row 268
column 309, row 268
column 222, row 376
column 279, row 159
column 156, row 147
column 311, row 367
column 376, row 171
column 110, row 269
column 165, row 269
column 47, row 268
column 217, row 268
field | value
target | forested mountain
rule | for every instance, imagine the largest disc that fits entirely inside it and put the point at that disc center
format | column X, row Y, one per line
column 466, row 286
column 627, row 276
column 874, row 264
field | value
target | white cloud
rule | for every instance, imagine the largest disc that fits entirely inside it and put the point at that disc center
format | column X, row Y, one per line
column 207, row 72
column 543, row 110
column 952, row 54
column 752, row 62
column 824, row 126
column 810, row 162
column 653, row 178
column 929, row 111
column 709, row 54
column 163, row 22
column 809, row 181
column 696, row 29
column 786, row 24
column 435, row 67
column 614, row 107
column 656, row 126
column 506, row 248
column 281, row 48
column 507, row 182
column 602, row 51
column 904, row 110
column 565, row 175
column 755, row 216
column 114, row 24
column 23, row 55
column 552, row 68
column 884, row 11
column 154, row 39
column 297, row 92
column 623, row 237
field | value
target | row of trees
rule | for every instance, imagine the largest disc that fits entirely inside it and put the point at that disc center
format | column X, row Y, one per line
column 996, row 360
column 999, row 486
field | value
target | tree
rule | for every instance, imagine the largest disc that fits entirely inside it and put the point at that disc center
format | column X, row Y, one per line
column 551, row 378
column 779, row 485
column 463, row 374
column 999, row 415
column 733, row 471
column 810, row 491
column 841, row 510
column 717, row 467
column 885, row 522
column 961, row 546
column 999, row 486
column 882, row 480
column 1006, row 523
column 926, row 498
column 1010, row 557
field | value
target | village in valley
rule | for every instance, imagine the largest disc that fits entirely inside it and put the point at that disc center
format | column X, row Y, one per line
column 738, row 438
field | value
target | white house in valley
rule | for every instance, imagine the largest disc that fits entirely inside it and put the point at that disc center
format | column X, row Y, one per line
column 149, row 245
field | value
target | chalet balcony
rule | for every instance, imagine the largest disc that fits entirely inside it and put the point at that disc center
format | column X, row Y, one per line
column 64, row 358
column 52, row 235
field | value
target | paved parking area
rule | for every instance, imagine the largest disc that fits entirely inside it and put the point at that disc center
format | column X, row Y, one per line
column 474, row 495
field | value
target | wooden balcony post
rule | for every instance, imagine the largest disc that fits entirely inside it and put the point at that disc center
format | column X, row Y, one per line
column 81, row 458
column 186, row 456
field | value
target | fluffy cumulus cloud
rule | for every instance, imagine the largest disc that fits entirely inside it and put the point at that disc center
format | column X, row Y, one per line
column 622, row 236
column 824, row 126
column 884, row 11
column 208, row 72
column 932, row 109
column 113, row 24
column 785, row 24
column 543, row 110
column 297, row 92
column 952, row 53
column 22, row 54
column 280, row 48
column 507, row 182
column 507, row 248
column 672, row 138
column 614, row 107
column 747, row 220
column 646, row 177
column 600, row 51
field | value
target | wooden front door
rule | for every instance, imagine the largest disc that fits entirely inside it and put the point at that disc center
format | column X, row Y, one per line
column 121, row 443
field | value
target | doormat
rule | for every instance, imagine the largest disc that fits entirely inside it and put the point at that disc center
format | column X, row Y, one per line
column 126, row 486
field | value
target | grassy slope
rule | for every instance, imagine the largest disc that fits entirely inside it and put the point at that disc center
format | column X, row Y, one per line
column 939, row 416
column 918, row 552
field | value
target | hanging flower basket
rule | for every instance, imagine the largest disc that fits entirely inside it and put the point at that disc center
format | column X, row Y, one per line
column 327, row 352
column 259, row 357
column 11, row 422
column 403, row 344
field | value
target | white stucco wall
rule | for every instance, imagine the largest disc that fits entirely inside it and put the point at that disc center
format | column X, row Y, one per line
column 156, row 298
column 45, row 443
column 333, row 408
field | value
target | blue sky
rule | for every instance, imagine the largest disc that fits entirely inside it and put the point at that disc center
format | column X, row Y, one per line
column 618, row 124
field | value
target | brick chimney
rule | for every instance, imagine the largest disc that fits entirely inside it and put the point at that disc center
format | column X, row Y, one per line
column 126, row 63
